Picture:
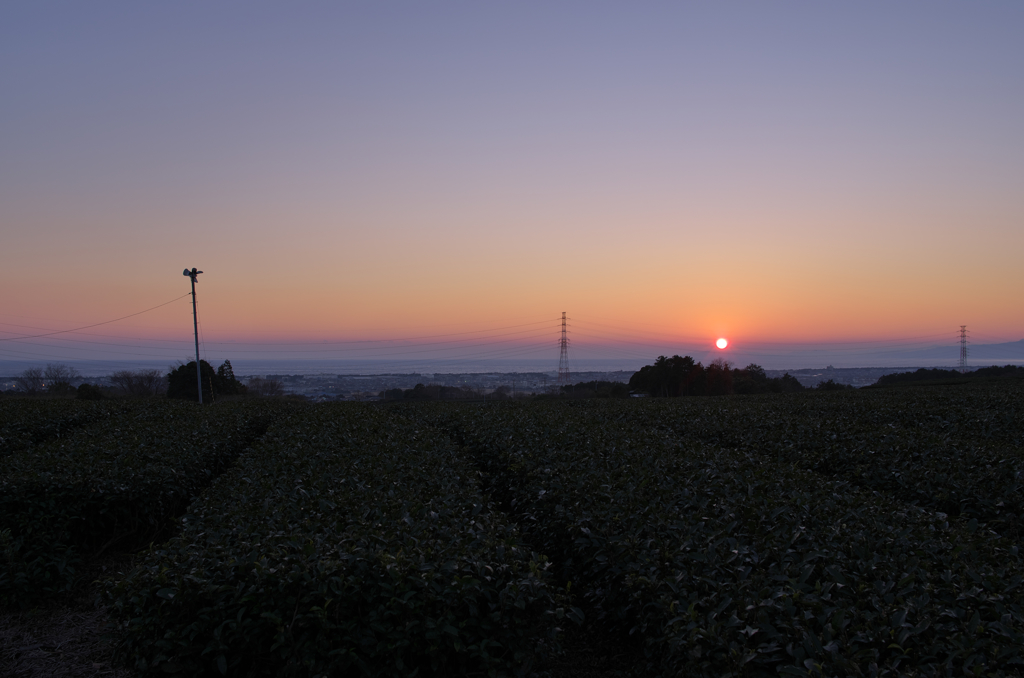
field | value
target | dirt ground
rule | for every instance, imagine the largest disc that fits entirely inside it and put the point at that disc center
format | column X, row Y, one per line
column 65, row 638
column 57, row 641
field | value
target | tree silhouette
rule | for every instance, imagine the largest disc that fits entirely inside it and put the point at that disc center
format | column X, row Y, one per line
column 31, row 380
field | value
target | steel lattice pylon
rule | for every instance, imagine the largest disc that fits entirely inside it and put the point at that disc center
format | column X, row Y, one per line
column 963, row 348
column 563, row 357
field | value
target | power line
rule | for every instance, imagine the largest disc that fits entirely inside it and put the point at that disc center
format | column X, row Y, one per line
column 136, row 343
column 107, row 322
column 491, row 345
column 118, row 353
column 400, row 339
column 598, row 339
column 50, row 329
column 389, row 344
column 390, row 349
column 313, row 347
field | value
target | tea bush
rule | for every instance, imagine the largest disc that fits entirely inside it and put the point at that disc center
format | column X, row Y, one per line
column 113, row 485
column 725, row 561
column 351, row 541
column 25, row 422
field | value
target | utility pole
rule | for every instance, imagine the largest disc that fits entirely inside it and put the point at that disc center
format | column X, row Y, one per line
column 563, row 358
column 963, row 349
column 193, row 275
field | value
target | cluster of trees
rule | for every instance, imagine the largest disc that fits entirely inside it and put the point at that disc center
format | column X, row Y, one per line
column 181, row 382
column 752, row 379
column 683, row 376
column 140, row 383
column 833, row 385
column 54, row 378
column 940, row 375
column 58, row 379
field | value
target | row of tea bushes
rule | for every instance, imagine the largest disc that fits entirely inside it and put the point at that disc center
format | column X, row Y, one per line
column 986, row 414
column 721, row 561
column 937, row 463
column 350, row 541
column 111, row 485
column 955, row 450
column 26, row 422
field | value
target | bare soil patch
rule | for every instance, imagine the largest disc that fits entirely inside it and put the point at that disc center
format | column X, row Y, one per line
column 66, row 638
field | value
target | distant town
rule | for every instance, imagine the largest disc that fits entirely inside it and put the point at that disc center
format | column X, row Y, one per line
column 330, row 387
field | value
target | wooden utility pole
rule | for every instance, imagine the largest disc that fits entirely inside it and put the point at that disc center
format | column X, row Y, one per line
column 193, row 274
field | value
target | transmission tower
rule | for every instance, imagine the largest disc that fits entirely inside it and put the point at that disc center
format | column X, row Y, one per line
column 963, row 348
column 563, row 358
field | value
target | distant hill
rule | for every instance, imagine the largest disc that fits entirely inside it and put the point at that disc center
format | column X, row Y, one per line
column 937, row 376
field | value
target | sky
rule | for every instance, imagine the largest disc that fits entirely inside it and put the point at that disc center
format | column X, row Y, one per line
column 403, row 175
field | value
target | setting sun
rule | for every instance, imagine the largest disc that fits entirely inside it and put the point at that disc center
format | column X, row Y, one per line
column 722, row 343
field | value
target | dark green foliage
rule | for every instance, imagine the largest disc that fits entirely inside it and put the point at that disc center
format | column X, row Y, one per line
column 181, row 382
column 679, row 527
column 787, row 383
column 111, row 485
column 226, row 383
column 821, row 533
column 351, row 541
column 718, row 378
column 832, row 385
column 950, row 376
column 1007, row 371
column 752, row 380
column 670, row 377
column 681, row 376
column 89, row 392
column 24, row 423
column 955, row 451
column 922, row 374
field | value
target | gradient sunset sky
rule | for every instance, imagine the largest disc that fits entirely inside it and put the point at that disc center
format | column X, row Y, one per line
column 769, row 172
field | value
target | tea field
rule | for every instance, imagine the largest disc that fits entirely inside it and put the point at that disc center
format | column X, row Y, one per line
column 873, row 532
